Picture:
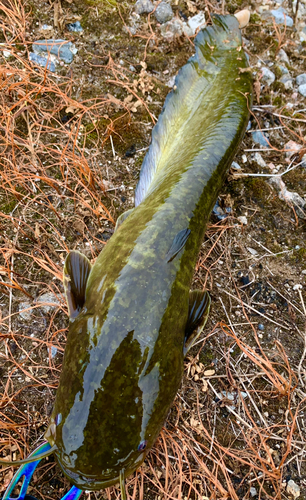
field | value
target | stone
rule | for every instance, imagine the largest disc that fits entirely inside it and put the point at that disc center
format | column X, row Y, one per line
column 287, row 81
column 163, row 13
column 253, row 491
column 42, row 61
column 143, row 7
column 22, row 310
column 243, row 220
column 291, row 148
column 259, row 160
column 302, row 35
column 293, row 489
column 196, row 22
column 46, row 27
column 235, row 165
column 302, row 90
column 172, row 29
column 76, row 27
column 260, row 138
column 62, row 49
column 283, row 69
column 267, row 76
column 301, row 79
column 290, row 197
column 282, row 56
column 261, row 327
column 280, row 14
column 51, row 302
column 53, row 351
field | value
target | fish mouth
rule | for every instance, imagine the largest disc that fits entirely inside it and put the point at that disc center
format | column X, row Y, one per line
column 104, row 480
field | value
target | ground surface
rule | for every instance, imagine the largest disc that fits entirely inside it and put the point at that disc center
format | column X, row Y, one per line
column 72, row 144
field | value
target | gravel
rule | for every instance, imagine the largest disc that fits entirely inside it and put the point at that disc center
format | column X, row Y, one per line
column 144, row 7
column 163, row 13
column 267, row 76
column 301, row 79
column 279, row 16
column 302, row 90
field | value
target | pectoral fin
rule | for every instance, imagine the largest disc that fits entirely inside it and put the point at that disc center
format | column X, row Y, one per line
column 178, row 243
column 76, row 271
column 199, row 306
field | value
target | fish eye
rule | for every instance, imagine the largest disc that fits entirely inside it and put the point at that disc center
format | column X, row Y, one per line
column 142, row 446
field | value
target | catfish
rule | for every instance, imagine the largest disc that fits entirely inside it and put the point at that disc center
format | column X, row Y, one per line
column 132, row 314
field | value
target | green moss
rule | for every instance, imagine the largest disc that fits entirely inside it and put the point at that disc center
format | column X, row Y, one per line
column 258, row 190
column 255, row 18
column 278, row 72
column 278, row 86
column 9, row 207
column 278, row 101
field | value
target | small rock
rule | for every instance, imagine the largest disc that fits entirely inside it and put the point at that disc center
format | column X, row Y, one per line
column 260, row 138
column 51, row 299
column 42, row 61
column 291, row 148
column 291, row 197
column 252, row 251
column 261, row 327
column 46, row 27
column 287, row 81
column 53, row 351
column 267, row 76
column 170, row 83
column 172, row 29
column 282, row 56
column 143, row 7
column 244, row 158
column 163, row 12
column 219, row 212
column 283, row 69
column 60, row 48
column 302, row 35
column 259, row 159
column 6, row 53
column 197, row 21
column 302, row 90
column 25, row 314
column 280, row 15
column 293, row 489
column 75, row 27
column 297, row 287
column 235, row 166
column 243, row 219
column 301, row 79
column 253, row 491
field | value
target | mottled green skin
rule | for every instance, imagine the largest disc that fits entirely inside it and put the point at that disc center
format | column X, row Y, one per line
column 124, row 356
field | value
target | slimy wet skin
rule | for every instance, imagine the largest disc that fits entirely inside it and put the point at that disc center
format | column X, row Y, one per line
column 132, row 313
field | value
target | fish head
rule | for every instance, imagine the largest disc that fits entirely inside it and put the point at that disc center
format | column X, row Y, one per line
column 98, row 424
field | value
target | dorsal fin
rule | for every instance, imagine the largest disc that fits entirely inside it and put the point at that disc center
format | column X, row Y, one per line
column 76, row 271
column 192, row 90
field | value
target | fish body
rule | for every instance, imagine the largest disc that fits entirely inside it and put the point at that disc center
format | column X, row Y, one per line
column 130, row 312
